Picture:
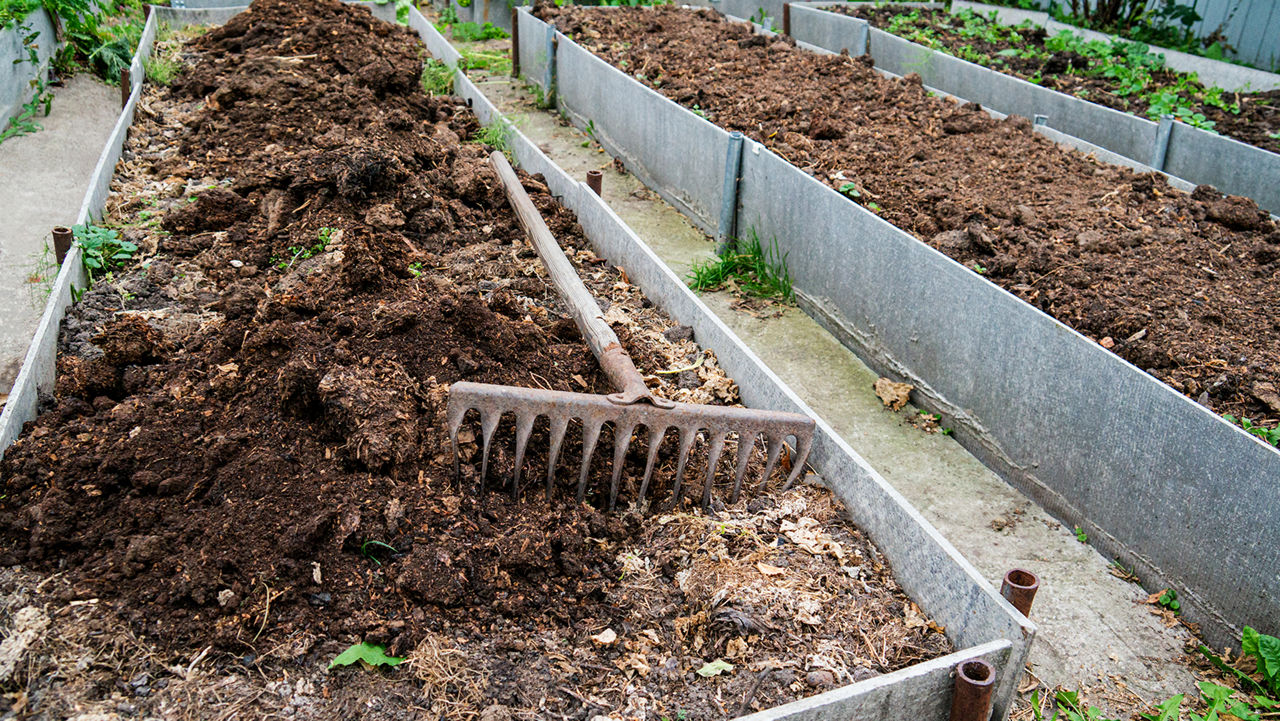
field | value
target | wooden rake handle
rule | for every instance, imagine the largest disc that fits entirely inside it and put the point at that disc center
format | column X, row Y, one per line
column 586, row 313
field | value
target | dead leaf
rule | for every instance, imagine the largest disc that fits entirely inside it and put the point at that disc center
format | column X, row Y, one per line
column 607, row 637
column 768, row 570
column 893, row 395
column 578, row 379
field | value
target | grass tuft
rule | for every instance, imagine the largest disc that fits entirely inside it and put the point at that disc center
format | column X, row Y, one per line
column 750, row 268
column 437, row 78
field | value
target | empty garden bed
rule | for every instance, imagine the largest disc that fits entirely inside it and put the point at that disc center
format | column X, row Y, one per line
column 1176, row 283
column 244, row 468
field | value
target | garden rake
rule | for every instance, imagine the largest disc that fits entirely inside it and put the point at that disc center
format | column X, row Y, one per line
column 632, row 406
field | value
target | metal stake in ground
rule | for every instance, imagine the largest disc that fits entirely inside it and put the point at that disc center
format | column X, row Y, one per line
column 594, row 180
column 1019, row 588
column 61, row 242
column 975, row 680
column 634, row 405
column 515, row 41
column 126, row 87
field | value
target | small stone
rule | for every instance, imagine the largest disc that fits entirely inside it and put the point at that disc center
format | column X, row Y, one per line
column 678, row 333
column 1107, row 343
column 237, row 264
column 820, row 678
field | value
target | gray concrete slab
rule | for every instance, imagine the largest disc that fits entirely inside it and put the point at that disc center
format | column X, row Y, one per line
column 44, row 176
column 1091, row 625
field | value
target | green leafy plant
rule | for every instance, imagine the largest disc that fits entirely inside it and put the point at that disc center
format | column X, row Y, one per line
column 415, row 269
column 41, row 97
column 1169, row 599
column 475, row 32
column 297, row 252
column 162, row 70
column 749, row 266
column 1265, row 651
column 102, row 249
column 851, row 190
column 979, row 269
column 367, row 654
column 1268, row 435
column 1081, row 536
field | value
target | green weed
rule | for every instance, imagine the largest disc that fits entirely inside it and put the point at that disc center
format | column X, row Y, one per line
column 475, row 32
column 162, row 70
column 1268, row 435
column 749, row 267
column 1169, row 600
column 495, row 63
column 496, row 135
column 297, row 252
column 1081, row 536
column 437, row 78
column 367, row 654
column 102, row 249
column 368, row 548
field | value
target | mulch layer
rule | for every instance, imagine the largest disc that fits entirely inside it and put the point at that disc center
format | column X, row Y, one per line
column 245, row 469
column 1181, row 285
column 1257, row 123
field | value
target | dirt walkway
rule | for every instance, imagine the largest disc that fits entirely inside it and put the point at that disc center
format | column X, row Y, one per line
column 44, row 176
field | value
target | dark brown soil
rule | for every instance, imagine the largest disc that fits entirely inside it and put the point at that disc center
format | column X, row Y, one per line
column 1182, row 285
column 1257, row 122
column 246, row 449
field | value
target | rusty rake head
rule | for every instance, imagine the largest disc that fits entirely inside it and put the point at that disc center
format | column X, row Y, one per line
column 527, row 404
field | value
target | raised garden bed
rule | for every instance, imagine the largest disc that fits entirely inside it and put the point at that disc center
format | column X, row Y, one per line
column 1120, row 75
column 1061, row 417
column 322, row 250
column 1120, row 257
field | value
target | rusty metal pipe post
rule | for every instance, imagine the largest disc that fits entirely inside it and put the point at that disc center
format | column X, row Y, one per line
column 975, row 680
column 786, row 19
column 146, row 12
column 515, row 41
column 126, row 87
column 1019, row 588
column 61, row 242
column 594, row 180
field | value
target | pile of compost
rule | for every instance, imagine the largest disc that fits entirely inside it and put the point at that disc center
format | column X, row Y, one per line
column 244, row 469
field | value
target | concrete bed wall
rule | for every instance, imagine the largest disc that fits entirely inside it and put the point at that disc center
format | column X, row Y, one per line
column 1147, row 472
column 16, row 72
column 1197, row 156
column 980, row 622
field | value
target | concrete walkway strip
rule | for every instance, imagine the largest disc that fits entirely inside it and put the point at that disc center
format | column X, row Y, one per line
column 978, row 620
column 1139, row 496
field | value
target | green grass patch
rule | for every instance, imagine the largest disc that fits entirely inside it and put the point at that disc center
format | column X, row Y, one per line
column 475, row 32
column 750, row 267
column 437, row 78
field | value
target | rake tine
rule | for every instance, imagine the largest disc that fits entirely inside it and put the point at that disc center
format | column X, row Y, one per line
column 802, row 454
column 456, row 414
column 687, row 436
column 655, row 442
column 621, row 441
column 746, row 442
column 488, row 424
column 713, row 457
column 775, row 450
column 559, row 424
column 590, row 434
column 524, row 427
